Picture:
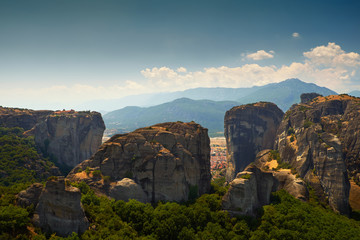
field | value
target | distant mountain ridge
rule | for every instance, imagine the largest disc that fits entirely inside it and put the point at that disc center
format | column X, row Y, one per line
column 290, row 91
column 209, row 113
column 284, row 94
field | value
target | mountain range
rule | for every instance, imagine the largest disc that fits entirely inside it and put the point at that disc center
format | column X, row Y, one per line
column 284, row 94
column 205, row 106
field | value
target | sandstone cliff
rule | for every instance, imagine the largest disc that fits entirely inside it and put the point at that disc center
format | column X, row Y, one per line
column 166, row 161
column 320, row 140
column 59, row 209
column 68, row 136
column 249, row 129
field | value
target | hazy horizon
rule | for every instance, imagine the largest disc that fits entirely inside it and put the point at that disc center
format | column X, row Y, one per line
column 59, row 54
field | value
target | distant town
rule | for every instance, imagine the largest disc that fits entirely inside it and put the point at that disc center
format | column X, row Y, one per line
column 218, row 156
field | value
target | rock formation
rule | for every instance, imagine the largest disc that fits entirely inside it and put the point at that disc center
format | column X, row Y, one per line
column 320, row 140
column 167, row 160
column 30, row 196
column 249, row 191
column 307, row 97
column 249, row 129
column 252, row 187
column 24, row 118
column 126, row 189
column 69, row 137
column 285, row 178
column 59, row 209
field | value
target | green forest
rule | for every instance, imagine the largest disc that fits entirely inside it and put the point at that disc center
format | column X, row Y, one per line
column 200, row 218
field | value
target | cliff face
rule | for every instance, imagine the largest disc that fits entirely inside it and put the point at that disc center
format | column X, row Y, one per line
column 24, row 118
column 59, row 208
column 248, row 130
column 249, row 191
column 320, row 139
column 70, row 137
column 167, row 161
column 252, row 187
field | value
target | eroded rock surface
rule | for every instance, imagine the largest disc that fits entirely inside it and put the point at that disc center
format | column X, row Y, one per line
column 251, row 189
column 320, row 140
column 284, row 178
column 167, row 160
column 59, row 209
column 126, row 189
column 69, row 137
column 307, row 97
column 30, row 196
column 248, row 130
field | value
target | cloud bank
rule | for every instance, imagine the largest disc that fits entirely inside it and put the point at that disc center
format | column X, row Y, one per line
column 326, row 65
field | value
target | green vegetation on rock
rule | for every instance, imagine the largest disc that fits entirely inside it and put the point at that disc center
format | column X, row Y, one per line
column 19, row 161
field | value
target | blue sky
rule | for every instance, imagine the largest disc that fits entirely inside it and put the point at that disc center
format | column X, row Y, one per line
column 59, row 53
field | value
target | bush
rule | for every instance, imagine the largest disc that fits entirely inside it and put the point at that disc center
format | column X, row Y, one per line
column 307, row 123
column 290, row 131
column 96, row 174
column 245, row 176
column 13, row 219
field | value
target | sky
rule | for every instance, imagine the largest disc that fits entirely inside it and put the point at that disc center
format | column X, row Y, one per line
column 61, row 53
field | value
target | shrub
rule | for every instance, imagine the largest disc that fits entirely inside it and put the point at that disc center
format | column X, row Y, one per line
column 290, row 131
column 87, row 170
column 52, row 178
column 245, row 176
column 274, row 155
column 107, row 179
column 307, row 123
column 96, row 174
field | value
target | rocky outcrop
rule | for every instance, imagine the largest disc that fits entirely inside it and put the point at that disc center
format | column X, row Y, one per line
column 168, row 161
column 307, row 97
column 30, row 196
column 319, row 139
column 251, row 189
column 285, row 178
column 248, row 130
column 126, row 189
column 59, row 209
column 24, row 118
column 69, row 137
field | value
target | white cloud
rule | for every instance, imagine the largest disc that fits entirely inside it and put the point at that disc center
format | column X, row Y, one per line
column 332, row 56
column 328, row 66
column 260, row 55
column 295, row 35
column 181, row 70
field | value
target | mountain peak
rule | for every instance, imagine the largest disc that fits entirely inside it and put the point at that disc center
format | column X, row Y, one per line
column 292, row 80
